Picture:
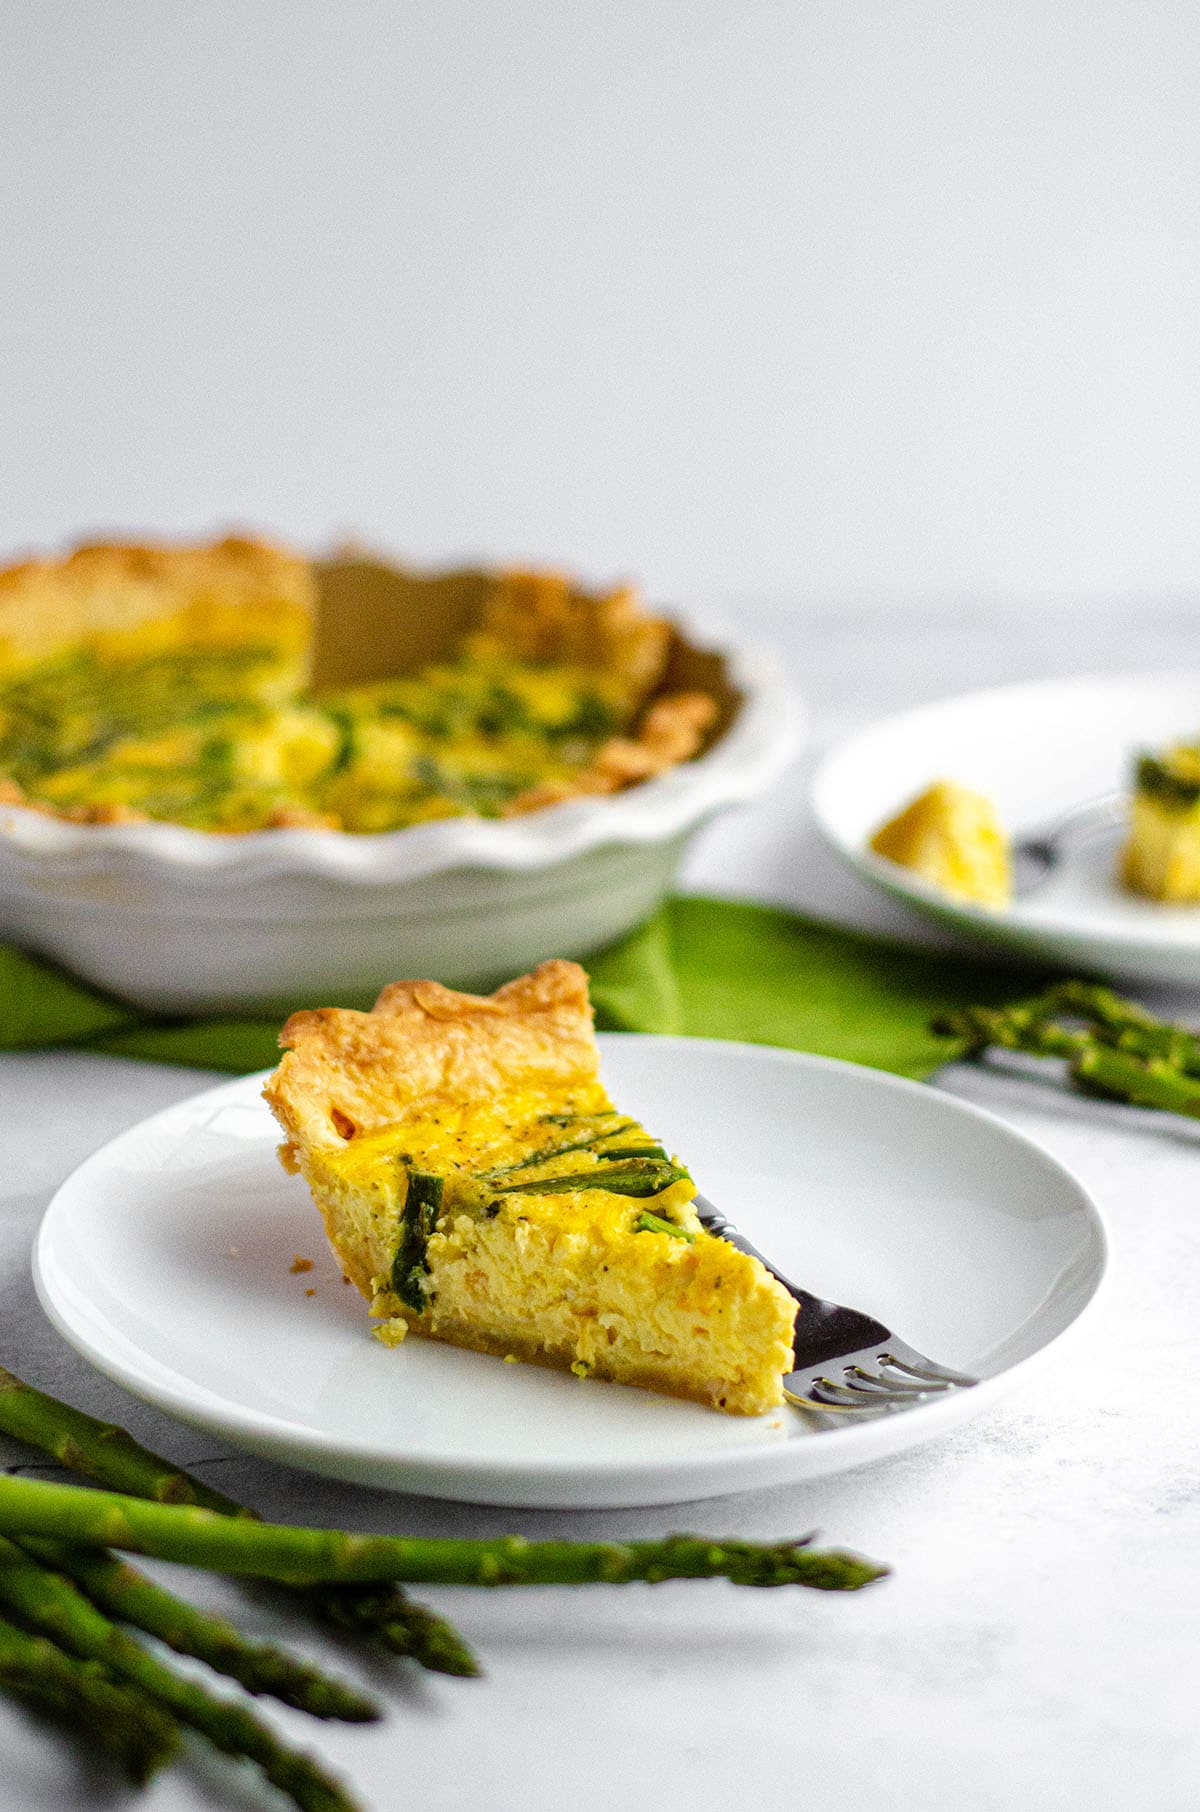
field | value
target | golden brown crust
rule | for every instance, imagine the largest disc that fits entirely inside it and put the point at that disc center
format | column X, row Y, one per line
column 11, row 793
column 541, row 616
column 672, row 730
column 674, row 1376
column 108, row 589
column 347, row 1072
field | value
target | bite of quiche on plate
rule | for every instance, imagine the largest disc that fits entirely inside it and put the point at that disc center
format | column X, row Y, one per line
column 479, row 1187
column 953, row 837
column 1161, row 855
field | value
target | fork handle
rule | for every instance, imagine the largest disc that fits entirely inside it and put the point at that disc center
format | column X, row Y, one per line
column 824, row 1330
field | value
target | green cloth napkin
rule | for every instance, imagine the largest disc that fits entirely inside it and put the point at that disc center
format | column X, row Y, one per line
column 707, row 968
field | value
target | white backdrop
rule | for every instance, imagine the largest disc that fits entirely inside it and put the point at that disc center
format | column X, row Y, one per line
column 810, row 299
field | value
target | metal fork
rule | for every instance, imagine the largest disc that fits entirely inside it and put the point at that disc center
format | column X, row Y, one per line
column 847, row 1363
column 1037, row 853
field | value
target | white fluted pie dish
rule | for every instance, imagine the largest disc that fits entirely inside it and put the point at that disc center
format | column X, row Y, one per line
column 181, row 920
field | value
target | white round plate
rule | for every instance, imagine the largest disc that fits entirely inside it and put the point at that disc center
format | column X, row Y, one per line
column 166, row 1260
column 1036, row 750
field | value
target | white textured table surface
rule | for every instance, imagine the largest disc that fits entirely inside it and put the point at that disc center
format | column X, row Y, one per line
column 1037, row 1646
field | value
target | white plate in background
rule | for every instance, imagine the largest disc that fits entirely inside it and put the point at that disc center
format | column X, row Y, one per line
column 1035, row 750
column 166, row 1261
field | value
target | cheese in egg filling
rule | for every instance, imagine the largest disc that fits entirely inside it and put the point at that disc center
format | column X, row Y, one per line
column 479, row 1187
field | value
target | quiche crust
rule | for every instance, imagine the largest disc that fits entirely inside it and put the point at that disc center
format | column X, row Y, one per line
column 581, row 1253
column 103, row 592
column 423, row 1045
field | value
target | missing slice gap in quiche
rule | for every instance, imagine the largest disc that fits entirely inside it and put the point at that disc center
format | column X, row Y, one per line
column 479, row 1187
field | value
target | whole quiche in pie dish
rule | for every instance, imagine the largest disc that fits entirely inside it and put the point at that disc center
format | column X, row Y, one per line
column 479, row 1187
column 234, row 777
column 178, row 684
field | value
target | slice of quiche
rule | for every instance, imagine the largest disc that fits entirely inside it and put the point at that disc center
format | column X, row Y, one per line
column 954, row 838
column 479, row 1187
column 1161, row 856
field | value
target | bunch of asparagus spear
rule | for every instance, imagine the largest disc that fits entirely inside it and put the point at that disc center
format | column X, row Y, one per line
column 68, row 1604
column 1112, row 1046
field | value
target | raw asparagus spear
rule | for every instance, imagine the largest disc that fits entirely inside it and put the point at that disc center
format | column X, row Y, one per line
column 1112, row 1046
column 277, row 1551
column 127, row 1594
column 52, row 1605
column 106, row 1453
column 133, row 1728
column 1129, row 1025
column 100, row 1450
column 405, row 1627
